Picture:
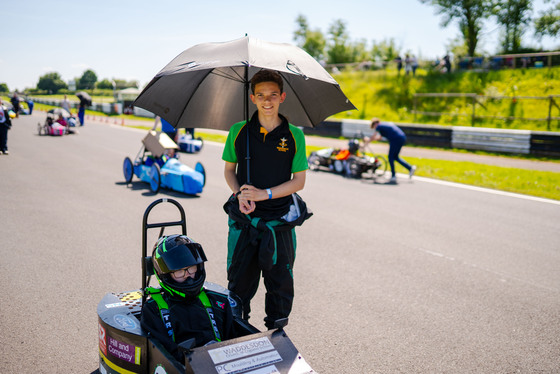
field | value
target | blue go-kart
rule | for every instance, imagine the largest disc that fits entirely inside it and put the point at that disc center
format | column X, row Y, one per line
column 156, row 164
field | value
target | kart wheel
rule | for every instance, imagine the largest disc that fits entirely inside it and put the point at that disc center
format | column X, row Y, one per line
column 201, row 143
column 200, row 168
column 313, row 161
column 338, row 166
column 128, row 170
column 39, row 129
column 155, row 178
column 354, row 168
column 380, row 167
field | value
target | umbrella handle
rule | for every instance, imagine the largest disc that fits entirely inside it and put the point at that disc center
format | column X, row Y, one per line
column 246, row 102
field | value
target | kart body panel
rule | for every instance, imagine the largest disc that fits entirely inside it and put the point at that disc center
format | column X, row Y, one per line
column 187, row 144
column 174, row 175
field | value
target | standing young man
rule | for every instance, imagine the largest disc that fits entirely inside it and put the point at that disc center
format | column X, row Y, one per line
column 277, row 170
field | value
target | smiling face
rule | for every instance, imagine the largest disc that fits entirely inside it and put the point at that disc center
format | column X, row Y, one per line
column 268, row 97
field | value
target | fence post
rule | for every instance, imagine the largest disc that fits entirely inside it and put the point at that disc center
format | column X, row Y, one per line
column 414, row 106
column 473, row 109
column 549, row 112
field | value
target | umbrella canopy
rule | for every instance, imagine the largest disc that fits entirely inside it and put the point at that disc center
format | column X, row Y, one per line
column 208, row 85
column 84, row 97
column 58, row 111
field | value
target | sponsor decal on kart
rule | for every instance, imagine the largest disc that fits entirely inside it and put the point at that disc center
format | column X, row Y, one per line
column 124, row 351
column 160, row 370
column 124, row 321
column 114, row 305
column 232, row 302
column 249, row 363
column 240, row 350
column 102, row 340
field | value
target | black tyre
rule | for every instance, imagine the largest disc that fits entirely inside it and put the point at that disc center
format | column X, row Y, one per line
column 155, row 178
column 128, row 170
column 338, row 166
column 380, row 166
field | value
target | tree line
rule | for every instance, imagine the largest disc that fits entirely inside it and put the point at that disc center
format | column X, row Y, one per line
column 52, row 83
column 514, row 17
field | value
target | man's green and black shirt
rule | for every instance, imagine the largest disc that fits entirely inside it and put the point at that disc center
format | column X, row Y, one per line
column 274, row 157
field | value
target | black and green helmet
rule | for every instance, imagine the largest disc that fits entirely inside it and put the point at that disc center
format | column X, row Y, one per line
column 176, row 252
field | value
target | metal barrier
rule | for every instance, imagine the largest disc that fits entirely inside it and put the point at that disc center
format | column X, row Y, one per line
column 511, row 141
column 538, row 143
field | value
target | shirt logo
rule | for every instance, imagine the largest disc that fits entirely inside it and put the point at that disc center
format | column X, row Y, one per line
column 283, row 146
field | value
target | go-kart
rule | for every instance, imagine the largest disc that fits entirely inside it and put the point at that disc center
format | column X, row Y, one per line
column 353, row 162
column 51, row 127
column 124, row 347
column 188, row 144
column 154, row 164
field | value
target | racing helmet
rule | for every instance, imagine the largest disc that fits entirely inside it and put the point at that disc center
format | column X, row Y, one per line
column 176, row 252
column 353, row 146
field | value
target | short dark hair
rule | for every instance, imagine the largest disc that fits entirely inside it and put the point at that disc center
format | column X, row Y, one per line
column 267, row 76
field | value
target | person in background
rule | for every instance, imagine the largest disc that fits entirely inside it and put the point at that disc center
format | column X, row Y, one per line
column 396, row 138
column 82, row 111
column 15, row 104
column 5, row 125
column 65, row 104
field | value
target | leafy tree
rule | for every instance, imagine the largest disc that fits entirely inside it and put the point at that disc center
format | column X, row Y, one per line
column 385, row 50
column 87, row 81
column 51, row 82
column 514, row 16
column 311, row 41
column 121, row 83
column 548, row 22
column 338, row 50
column 468, row 13
column 4, row 87
column 104, row 84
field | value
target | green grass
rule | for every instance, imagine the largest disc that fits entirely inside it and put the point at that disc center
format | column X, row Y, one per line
column 528, row 182
column 386, row 95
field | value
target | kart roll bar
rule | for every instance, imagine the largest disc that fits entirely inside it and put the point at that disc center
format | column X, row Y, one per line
column 162, row 225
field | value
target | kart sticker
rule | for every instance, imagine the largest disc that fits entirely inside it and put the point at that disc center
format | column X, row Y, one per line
column 114, row 305
column 249, row 363
column 124, row 351
column 267, row 370
column 102, row 340
column 160, row 370
column 125, row 321
column 240, row 350
column 131, row 296
column 232, row 302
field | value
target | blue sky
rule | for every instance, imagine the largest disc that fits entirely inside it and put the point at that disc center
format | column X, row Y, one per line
column 134, row 39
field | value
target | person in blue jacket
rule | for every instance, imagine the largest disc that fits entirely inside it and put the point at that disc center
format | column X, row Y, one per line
column 396, row 138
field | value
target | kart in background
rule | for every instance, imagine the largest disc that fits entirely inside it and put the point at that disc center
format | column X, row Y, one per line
column 155, row 164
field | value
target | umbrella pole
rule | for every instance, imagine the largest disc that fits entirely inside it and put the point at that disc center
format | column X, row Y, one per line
column 246, row 102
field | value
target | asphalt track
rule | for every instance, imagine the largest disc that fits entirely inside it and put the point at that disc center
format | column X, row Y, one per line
column 410, row 278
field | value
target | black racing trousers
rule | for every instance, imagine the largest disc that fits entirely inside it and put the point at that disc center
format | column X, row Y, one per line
column 244, row 273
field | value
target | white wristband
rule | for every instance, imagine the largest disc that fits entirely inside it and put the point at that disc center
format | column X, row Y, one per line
column 269, row 192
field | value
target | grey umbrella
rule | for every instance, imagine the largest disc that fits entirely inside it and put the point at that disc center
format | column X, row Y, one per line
column 208, row 85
